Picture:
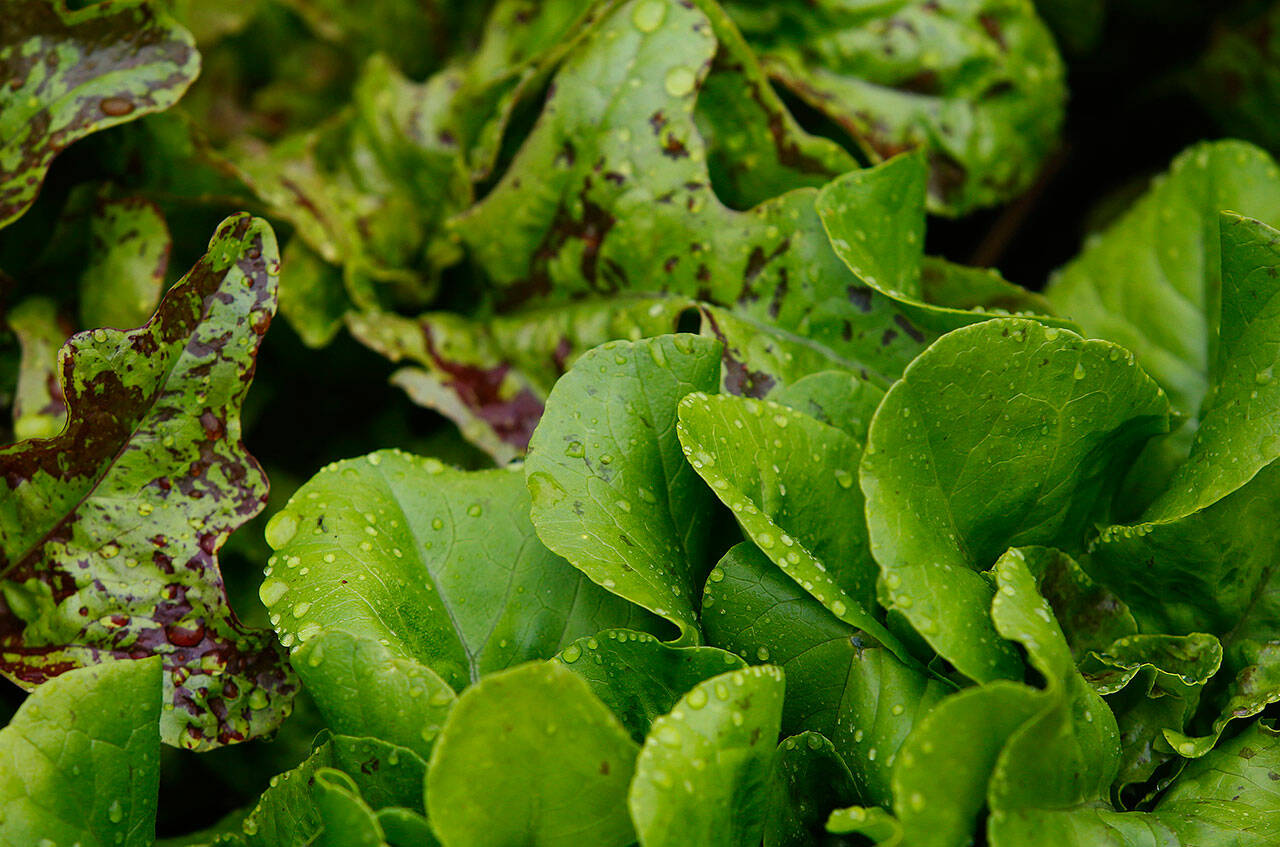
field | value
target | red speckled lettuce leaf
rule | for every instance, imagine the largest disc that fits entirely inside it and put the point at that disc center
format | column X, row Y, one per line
column 69, row 73
column 109, row 532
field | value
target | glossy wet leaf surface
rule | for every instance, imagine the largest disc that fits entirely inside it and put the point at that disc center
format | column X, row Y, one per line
column 109, row 533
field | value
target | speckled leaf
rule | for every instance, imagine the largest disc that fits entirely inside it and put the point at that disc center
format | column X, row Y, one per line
column 858, row 695
column 611, row 491
column 1202, row 557
column 977, row 85
column 109, row 533
column 1002, row 433
column 756, row 150
column 312, row 297
column 875, row 218
column 39, row 408
column 553, row 771
column 638, row 676
column 128, row 258
column 70, row 73
column 810, row 780
column 381, row 775
column 80, row 761
column 702, row 778
column 441, row 566
column 610, row 193
column 1255, row 686
column 491, row 377
column 1229, row 797
column 760, row 358
column 791, row 482
column 368, row 188
column 339, row 670
column 1150, row 281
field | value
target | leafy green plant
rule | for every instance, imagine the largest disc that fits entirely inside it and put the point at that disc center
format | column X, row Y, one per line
column 747, row 519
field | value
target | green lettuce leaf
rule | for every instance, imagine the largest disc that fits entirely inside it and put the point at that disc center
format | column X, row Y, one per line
column 807, row 514
column 323, row 800
column 1201, row 558
column 109, row 533
column 1002, row 433
column 1226, row 799
column 128, row 259
column 39, row 407
column 611, row 193
column 1004, row 744
column 858, row 695
column 702, row 778
column 875, row 218
column 554, row 771
column 80, row 761
column 66, row 77
column 810, row 781
column 612, row 493
column 977, row 85
column 400, row 551
column 639, row 677
column 1166, row 249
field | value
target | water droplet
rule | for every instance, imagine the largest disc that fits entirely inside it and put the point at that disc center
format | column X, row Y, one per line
column 475, row 510
column 648, row 17
column 271, row 591
column 717, row 575
column 762, row 654
column 281, row 529
column 571, row 654
column 300, row 609
column 115, row 812
column 680, row 81
column 669, row 736
column 844, row 478
column 1078, row 373
column 697, row 698
column 838, row 608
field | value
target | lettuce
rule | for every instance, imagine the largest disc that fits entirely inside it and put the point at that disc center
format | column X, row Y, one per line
column 745, row 520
